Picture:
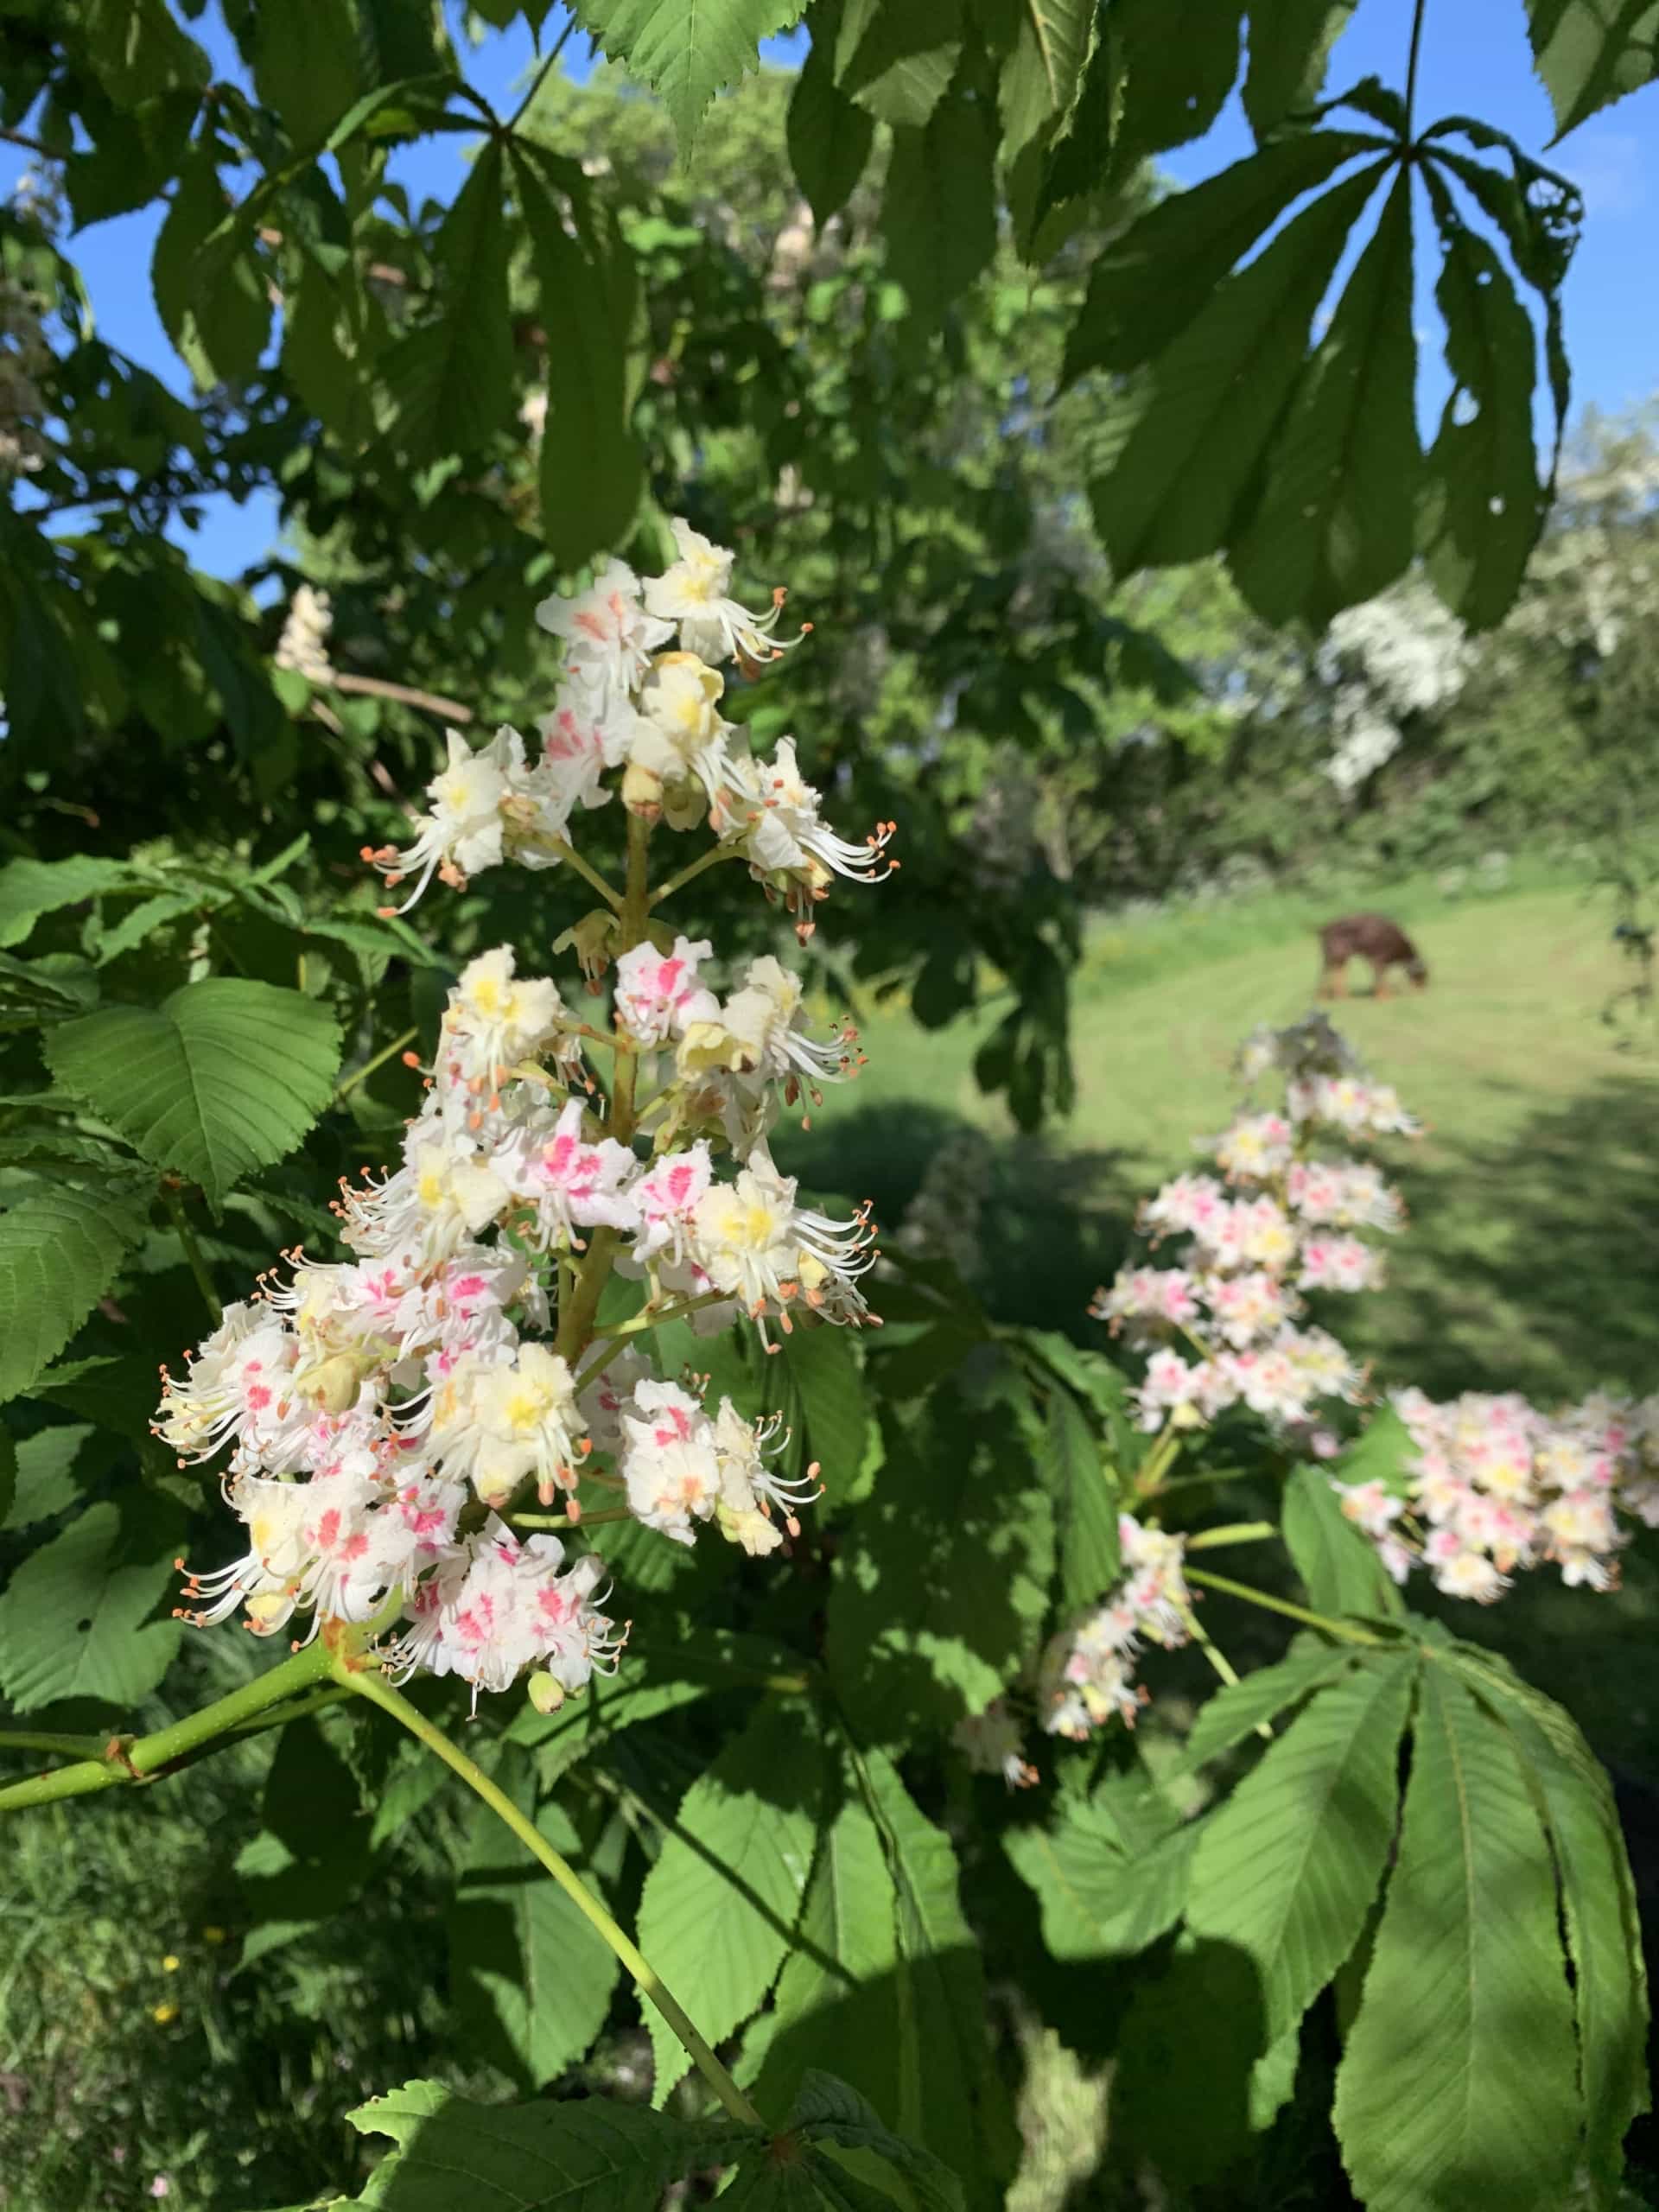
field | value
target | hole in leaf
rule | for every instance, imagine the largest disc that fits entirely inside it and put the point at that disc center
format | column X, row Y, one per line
column 1465, row 408
column 81, row 1627
column 1495, row 503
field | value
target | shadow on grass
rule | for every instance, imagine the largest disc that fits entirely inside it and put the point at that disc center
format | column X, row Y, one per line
column 1533, row 1263
column 1530, row 1262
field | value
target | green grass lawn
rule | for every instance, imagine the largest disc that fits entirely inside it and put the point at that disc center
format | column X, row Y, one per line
column 1531, row 1259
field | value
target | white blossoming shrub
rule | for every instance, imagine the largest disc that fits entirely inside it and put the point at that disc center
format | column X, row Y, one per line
column 382, row 1419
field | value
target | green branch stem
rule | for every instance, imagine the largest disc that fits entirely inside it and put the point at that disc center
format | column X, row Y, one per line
column 693, row 869
column 584, row 1520
column 1232, row 1532
column 361, row 1075
column 1221, row 1665
column 648, row 1319
column 567, row 853
column 368, row 1682
column 194, row 1257
column 1345, row 1631
column 141, row 1758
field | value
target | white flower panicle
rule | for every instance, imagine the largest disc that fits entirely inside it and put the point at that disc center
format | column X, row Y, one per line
column 303, row 646
column 1225, row 1328
column 632, row 700
column 1492, row 1486
column 1087, row 1675
column 385, row 1418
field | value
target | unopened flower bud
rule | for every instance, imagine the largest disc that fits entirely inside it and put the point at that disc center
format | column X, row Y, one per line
column 546, row 1694
column 642, row 791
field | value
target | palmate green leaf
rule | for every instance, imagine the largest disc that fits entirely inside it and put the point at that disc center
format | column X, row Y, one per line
column 945, row 2093
column 1147, row 286
column 883, row 1985
column 1483, row 505
column 1337, row 520
column 1190, row 437
column 941, row 1586
column 1038, row 85
column 1290, row 1864
column 451, row 379
column 1085, row 1504
column 1106, row 1888
column 50, row 1468
column 1233, row 1712
column 1338, row 1563
column 828, row 2110
column 829, row 135
column 686, row 50
column 222, row 1076
column 837, row 2002
column 579, row 2155
column 1457, row 2085
column 1290, row 43
column 831, row 1400
column 74, row 1617
column 939, row 213
column 1591, row 53
column 897, row 57
column 592, row 468
column 720, row 1902
column 530, row 1978
column 31, row 888
column 59, row 1249
column 137, row 50
column 307, row 65
column 1179, row 58
column 1603, row 1933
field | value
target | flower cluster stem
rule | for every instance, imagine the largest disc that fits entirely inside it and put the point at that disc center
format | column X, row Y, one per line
column 1345, row 1631
column 194, row 1257
column 368, row 1682
column 1232, row 1532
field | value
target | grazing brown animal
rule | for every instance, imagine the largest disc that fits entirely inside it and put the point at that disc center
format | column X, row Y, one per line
column 1373, row 938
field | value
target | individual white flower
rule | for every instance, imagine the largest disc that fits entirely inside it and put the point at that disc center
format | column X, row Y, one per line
column 608, row 637
column 666, row 1197
column 571, row 1184
column 756, row 1243
column 761, row 1035
column 676, row 756
column 485, row 806
column 750, row 1491
column 696, row 593
column 527, row 1415
column 668, row 1460
column 658, row 994
column 772, row 814
column 239, row 1389
column 496, row 1018
column 587, row 732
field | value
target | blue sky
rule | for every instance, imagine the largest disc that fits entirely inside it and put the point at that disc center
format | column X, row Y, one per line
column 1474, row 60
